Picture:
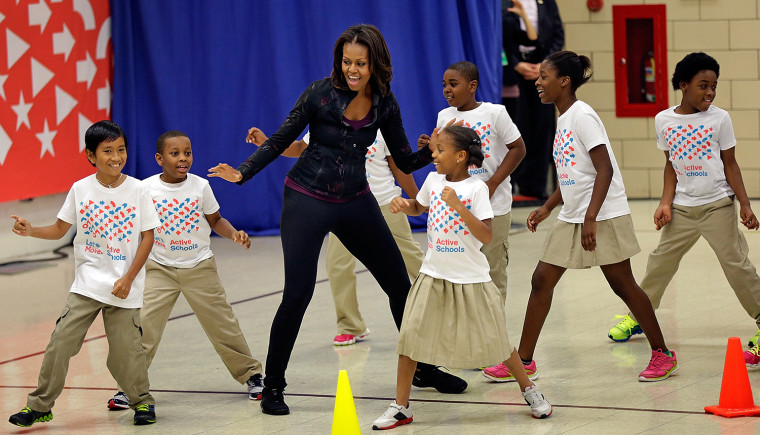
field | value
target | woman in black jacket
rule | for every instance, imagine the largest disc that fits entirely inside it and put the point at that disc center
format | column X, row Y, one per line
column 327, row 191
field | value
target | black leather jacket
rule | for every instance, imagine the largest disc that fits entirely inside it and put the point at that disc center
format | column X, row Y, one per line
column 332, row 165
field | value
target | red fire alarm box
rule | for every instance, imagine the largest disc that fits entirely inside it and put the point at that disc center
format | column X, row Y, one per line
column 641, row 67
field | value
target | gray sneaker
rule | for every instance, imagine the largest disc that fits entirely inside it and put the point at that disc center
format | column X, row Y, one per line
column 255, row 387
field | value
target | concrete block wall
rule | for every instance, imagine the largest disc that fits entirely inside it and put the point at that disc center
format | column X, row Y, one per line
column 728, row 30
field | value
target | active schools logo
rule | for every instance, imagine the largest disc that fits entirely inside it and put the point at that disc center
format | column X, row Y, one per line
column 107, row 220
column 178, row 216
column 689, row 143
column 564, row 150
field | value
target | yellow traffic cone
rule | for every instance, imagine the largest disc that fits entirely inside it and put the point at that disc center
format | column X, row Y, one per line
column 345, row 421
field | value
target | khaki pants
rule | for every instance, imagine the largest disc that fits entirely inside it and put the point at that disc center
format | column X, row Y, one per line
column 126, row 357
column 341, row 264
column 204, row 292
column 717, row 223
column 497, row 252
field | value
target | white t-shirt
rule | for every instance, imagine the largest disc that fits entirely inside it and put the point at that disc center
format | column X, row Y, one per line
column 496, row 130
column 453, row 253
column 381, row 181
column 183, row 238
column 694, row 142
column 579, row 130
column 108, row 223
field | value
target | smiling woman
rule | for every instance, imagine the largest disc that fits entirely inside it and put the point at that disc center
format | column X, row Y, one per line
column 327, row 191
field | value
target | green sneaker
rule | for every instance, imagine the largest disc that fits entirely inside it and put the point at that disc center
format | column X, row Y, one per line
column 145, row 414
column 753, row 341
column 625, row 329
column 27, row 417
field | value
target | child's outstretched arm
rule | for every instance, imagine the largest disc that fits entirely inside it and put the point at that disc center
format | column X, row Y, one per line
column 406, row 181
column 734, row 178
column 664, row 214
column 514, row 157
column 481, row 229
column 23, row 228
column 540, row 214
column 123, row 285
column 409, row 207
column 603, row 166
column 224, row 228
column 257, row 137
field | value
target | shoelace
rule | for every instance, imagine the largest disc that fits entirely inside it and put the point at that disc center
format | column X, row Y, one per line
column 626, row 324
column 392, row 410
column 142, row 407
column 535, row 395
column 656, row 358
column 755, row 351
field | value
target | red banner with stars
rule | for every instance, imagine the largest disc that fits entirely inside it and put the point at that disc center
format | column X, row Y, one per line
column 55, row 81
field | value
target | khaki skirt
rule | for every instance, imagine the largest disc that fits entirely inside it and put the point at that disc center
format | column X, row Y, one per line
column 615, row 242
column 455, row 325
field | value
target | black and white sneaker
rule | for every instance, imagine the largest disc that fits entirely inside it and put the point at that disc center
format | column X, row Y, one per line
column 273, row 402
column 255, row 387
column 395, row 415
column 118, row 402
column 432, row 376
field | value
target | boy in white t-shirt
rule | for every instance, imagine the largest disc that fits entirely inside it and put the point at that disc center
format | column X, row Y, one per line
column 114, row 219
column 181, row 262
column 503, row 149
column 702, row 177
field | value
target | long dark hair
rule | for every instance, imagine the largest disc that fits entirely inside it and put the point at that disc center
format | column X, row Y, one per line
column 379, row 57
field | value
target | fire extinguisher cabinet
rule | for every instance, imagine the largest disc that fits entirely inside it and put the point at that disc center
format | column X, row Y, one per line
column 641, row 70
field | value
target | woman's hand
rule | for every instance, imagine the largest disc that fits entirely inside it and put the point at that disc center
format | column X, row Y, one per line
column 423, row 141
column 225, row 172
column 256, row 136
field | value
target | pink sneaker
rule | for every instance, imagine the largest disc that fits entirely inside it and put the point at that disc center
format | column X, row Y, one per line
column 660, row 367
column 500, row 372
column 751, row 357
column 346, row 339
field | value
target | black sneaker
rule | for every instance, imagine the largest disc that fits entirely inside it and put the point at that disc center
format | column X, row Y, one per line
column 433, row 376
column 273, row 403
column 27, row 417
column 145, row 414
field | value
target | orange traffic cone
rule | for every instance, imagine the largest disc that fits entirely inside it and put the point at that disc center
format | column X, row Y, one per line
column 735, row 391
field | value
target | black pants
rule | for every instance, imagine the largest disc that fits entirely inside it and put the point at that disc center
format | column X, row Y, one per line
column 537, row 124
column 305, row 222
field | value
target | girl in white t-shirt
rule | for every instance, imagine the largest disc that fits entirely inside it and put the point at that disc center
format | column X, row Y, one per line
column 454, row 314
column 594, row 227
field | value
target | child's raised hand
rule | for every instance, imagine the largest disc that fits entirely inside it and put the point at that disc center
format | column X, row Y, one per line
column 225, row 172
column 22, row 227
column 748, row 217
column 399, row 205
column 121, row 287
column 662, row 216
column 256, row 136
column 449, row 196
column 242, row 239
column 588, row 235
column 536, row 217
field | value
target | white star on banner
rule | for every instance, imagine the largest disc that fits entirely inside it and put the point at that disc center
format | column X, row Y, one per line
column 5, row 144
column 3, row 78
column 46, row 138
column 22, row 112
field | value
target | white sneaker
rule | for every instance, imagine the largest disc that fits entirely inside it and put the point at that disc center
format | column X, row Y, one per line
column 118, row 402
column 395, row 415
column 255, row 387
column 539, row 406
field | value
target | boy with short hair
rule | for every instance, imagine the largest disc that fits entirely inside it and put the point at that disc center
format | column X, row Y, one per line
column 181, row 262
column 114, row 218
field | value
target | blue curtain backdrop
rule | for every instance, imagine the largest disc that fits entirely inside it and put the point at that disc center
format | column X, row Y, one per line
column 214, row 68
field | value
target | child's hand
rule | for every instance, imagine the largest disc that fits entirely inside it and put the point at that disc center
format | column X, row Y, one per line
column 242, row 239
column 748, row 218
column 449, row 196
column 536, row 217
column 662, row 216
column 399, row 205
column 256, row 136
column 423, row 141
column 22, row 227
column 225, row 172
column 588, row 235
column 517, row 8
column 121, row 287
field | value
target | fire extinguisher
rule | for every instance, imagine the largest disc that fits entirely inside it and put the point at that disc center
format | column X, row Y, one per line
column 647, row 77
